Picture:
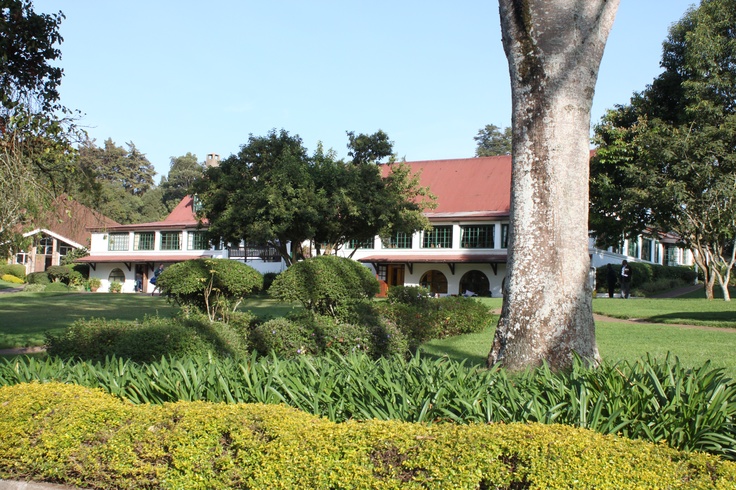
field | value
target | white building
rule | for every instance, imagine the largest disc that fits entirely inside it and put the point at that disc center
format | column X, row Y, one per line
column 130, row 254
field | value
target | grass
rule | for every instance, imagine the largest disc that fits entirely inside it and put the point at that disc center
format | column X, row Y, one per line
column 26, row 317
column 716, row 313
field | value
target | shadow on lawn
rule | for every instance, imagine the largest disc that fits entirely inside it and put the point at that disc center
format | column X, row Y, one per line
column 723, row 319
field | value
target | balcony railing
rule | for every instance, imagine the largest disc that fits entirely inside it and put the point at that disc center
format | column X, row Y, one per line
column 266, row 253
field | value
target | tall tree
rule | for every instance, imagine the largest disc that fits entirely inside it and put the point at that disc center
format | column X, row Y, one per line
column 554, row 48
column 36, row 132
column 264, row 194
column 667, row 160
column 122, row 179
column 360, row 199
column 492, row 141
column 183, row 172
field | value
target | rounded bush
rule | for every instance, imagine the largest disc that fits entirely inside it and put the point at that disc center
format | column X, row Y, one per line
column 408, row 295
column 145, row 341
column 285, row 338
column 59, row 273
column 38, row 278
column 17, row 270
column 213, row 286
column 12, row 278
column 56, row 287
column 322, row 283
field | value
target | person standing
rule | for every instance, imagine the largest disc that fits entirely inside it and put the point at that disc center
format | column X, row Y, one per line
column 625, row 279
column 611, row 279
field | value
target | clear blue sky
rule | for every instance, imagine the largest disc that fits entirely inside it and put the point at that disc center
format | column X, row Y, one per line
column 191, row 76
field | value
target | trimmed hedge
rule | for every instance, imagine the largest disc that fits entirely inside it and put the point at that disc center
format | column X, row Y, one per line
column 77, row 436
column 150, row 339
column 17, row 270
column 12, row 278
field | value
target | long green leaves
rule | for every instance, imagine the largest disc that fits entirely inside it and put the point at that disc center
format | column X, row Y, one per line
column 656, row 400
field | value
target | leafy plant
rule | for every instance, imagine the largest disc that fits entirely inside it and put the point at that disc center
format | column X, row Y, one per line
column 116, row 287
column 321, row 284
column 214, row 286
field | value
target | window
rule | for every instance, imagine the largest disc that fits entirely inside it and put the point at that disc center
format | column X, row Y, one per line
column 170, row 240
column 435, row 281
column 633, row 248
column 438, row 237
column 477, row 236
column 144, row 240
column 116, row 275
column 476, row 282
column 117, row 242
column 399, row 240
column 505, row 236
column 361, row 243
column 197, row 240
column 646, row 249
column 382, row 272
column 45, row 246
column 64, row 248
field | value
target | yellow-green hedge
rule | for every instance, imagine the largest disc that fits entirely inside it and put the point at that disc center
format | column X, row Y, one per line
column 66, row 433
column 12, row 278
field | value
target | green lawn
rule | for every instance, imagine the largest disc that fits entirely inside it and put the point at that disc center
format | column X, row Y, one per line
column 27, row 316
column 716, row 313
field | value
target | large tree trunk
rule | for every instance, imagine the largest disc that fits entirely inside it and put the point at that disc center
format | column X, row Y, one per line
column 554, row 48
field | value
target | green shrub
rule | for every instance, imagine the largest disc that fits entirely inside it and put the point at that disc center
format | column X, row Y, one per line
column 438, row 318
column 17, row 270
column 34, row 288
column 72, row 435
column 38, row 278
column 213, row 286
column 56, row 287
column 285, row 338
column 147, row 340
column 59, row 273
column 408, row 295
column 268, row 279
column 12, row 278
column 647, row 278
column 321, row 284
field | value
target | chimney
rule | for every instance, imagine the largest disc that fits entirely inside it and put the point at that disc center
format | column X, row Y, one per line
column 213, row 160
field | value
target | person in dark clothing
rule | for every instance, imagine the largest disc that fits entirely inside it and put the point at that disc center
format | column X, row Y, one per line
column 625, row 279
column 611, row 279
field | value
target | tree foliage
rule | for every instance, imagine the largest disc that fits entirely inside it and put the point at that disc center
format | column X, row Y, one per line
column 36, row 131
column 666, row 162
column 492, row 141
column 274, row 192
column 183, row 172
column 322, row 284
column 214, row 286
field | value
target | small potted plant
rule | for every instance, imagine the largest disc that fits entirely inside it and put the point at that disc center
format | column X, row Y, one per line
column 94, row 284
column 116, row 287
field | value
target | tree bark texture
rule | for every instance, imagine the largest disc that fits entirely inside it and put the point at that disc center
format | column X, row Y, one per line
column 554, row 48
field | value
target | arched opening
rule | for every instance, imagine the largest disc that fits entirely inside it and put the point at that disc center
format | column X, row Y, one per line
column 116, row 275
column 435, row 281
column 476, row 282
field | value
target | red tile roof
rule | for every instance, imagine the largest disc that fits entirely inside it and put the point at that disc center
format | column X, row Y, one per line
column 183, row 216
column 72, row 220
column 151, row 257
column 468, row 187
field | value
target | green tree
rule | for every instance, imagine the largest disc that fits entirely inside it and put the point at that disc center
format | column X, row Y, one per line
column 123, row 180
column 36, row 157
column 264, row 194
column 214, row 286
column 666, row 162
column 492, row 141
column 358, row 199
column 184, row 171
